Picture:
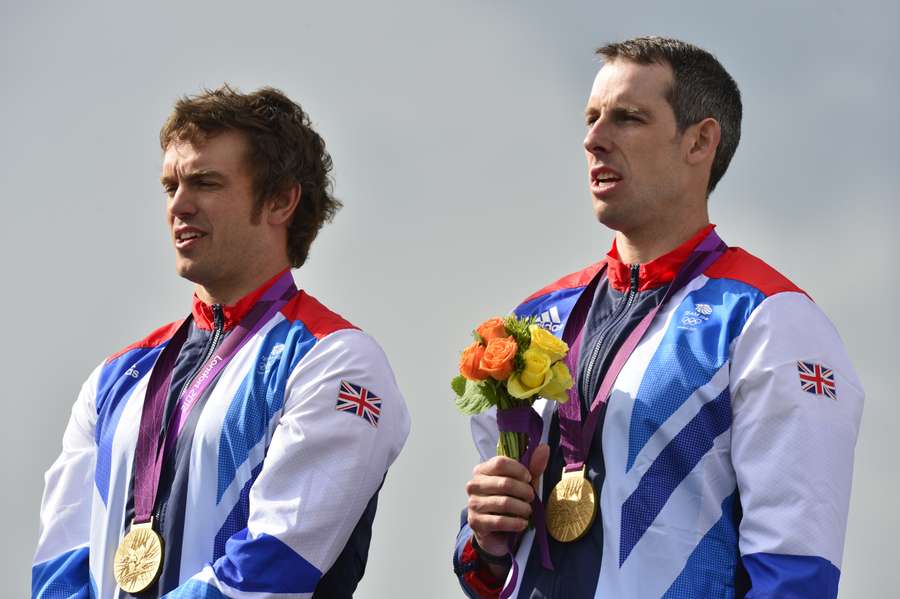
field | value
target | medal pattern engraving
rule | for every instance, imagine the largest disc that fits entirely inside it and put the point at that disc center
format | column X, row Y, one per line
column 138, row 559
column 571, row 508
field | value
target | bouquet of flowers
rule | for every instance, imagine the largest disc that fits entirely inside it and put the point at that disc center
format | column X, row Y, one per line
column 512, row 362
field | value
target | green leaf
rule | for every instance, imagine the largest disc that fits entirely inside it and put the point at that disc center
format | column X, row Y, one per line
column 474, row 400
column 518, row 363
column 458, row 384
column 489, row 389
column 518, row 328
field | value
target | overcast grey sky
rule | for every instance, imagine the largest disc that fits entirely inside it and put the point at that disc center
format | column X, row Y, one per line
column 455, row 128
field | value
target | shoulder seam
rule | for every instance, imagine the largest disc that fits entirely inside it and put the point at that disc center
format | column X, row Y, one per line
column 154, row 339
column 766, row 295
column 318, row 319
column 743, row 267
column 572, row 280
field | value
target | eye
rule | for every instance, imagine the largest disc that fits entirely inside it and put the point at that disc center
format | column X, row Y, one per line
column 170, row 190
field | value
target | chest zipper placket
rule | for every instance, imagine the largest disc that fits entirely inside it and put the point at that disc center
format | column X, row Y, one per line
column 214, row 339
column 613, row 321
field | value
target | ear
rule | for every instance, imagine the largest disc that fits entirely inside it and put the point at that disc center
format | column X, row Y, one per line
column 703, row 139
column 280, row 208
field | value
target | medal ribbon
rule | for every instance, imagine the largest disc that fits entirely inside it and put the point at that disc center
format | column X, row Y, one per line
column 152, row 445
column 525, row 420
column 575, row 439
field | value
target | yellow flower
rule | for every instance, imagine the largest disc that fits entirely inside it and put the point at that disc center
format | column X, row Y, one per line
column 545, row 341
column 559, row 383
column 534, row 376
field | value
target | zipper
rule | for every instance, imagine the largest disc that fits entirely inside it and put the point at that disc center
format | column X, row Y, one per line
column 624, row 305
column 211, row 345
column 214, row 339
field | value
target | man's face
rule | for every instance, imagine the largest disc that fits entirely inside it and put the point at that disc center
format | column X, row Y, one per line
column 210, row 210
column 635, row 163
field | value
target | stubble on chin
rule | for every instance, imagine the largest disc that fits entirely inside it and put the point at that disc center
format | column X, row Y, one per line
column 186, row 269
column 606, row 215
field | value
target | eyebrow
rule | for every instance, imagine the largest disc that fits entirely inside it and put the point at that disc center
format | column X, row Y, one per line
column 192, row 176
column 619, row 111
column 630, row 110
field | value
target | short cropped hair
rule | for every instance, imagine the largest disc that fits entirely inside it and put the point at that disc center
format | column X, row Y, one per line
column 701, row 88
column 284, row 150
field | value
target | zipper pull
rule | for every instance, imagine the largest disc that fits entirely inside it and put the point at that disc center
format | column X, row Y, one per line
column 218, row 317
column 635, row 277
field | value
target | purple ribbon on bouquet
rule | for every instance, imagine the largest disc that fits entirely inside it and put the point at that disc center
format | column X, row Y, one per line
column 528, row 422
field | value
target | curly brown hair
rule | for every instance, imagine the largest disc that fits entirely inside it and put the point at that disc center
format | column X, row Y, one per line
column 284, row 150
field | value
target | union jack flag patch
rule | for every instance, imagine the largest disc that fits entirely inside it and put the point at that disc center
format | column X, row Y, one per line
column 359, row 401
column 817, row 379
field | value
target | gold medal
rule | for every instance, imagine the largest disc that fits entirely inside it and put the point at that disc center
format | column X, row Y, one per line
column 571, row 508
column 139, row 558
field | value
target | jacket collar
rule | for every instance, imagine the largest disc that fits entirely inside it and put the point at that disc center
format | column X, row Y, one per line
column 203, row 313
column 655, row 273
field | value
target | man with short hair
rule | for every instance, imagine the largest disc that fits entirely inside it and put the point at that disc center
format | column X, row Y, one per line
column 239, row 452
column 706, row 449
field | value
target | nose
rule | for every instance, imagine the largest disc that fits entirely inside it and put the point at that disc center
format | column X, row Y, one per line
column 597, row 140
column 181, row 204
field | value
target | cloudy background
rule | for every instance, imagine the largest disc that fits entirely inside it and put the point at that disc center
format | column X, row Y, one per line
column 456, row 130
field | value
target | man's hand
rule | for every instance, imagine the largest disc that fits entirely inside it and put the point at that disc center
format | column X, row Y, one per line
column 500, row 495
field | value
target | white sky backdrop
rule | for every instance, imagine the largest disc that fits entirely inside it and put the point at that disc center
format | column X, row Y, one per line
column 456, row 133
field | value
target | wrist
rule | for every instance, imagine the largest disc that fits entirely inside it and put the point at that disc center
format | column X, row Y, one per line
column 503, row 561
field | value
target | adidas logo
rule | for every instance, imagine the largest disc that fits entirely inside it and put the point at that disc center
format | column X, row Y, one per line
column 133, row 373
column 549, row 319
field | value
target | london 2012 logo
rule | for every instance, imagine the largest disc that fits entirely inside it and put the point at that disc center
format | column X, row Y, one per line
column 691, row 319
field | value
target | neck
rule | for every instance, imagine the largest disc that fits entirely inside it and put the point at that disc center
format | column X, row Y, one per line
column 228, row 294
column 646, row 244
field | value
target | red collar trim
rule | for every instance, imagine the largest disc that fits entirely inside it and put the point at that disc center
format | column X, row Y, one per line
column 655, row 273
column 203, row 313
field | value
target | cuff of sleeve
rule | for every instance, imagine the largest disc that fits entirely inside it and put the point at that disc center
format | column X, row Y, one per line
column 476, row 575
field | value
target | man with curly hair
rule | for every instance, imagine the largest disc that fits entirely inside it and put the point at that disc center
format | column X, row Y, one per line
column 238, row 452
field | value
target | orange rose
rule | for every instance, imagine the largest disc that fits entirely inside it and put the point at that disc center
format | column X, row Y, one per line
column 492, row 329
column 498, row 357
column 469, row 363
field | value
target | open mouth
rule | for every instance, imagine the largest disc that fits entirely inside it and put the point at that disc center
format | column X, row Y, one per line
column 604, row 185
column 604, row 179
column 184, row 239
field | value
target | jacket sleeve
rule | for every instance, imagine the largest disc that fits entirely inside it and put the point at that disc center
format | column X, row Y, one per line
column 475, row 579
column 321, row 469
column 60, row 569
column 792, row 447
